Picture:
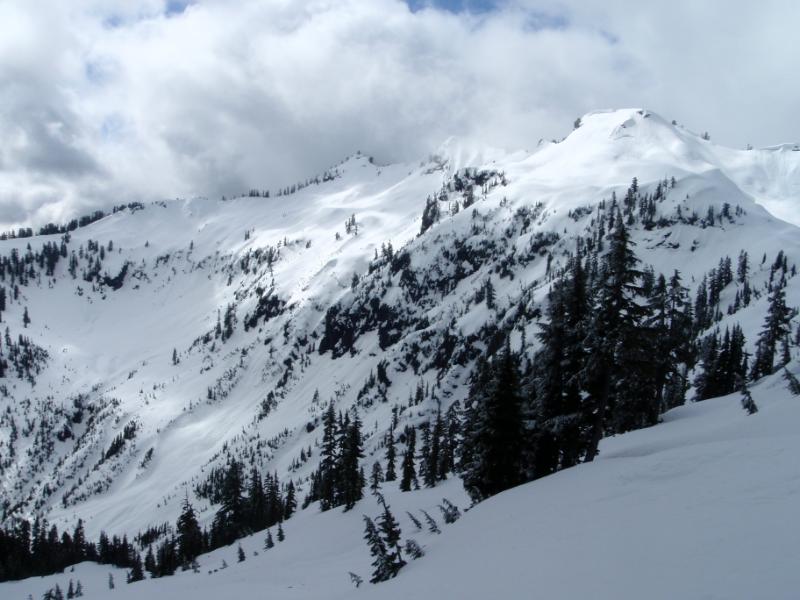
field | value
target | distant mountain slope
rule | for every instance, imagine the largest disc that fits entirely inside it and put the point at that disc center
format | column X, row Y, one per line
column 701, row 506
column 208, row 327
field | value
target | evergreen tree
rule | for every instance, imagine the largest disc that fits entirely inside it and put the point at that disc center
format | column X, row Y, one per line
column 377, row 549
column 268, row 543
column 432, row 452
column 137, row 572
column 409, row 471
column 489, row 294
column 190, row 537
column 240, row 555
column 290, row 504
column 256, row 502
column 390, row 533
column 747, row 399
column 620, row 393
column 557, row 437
column 430, row 215
column 776, row 327
column 493, row 430
column 329, row 458
column 390, row 456
column 376, row 477
column 350, row 479
column 229, row 522
column 281, row 534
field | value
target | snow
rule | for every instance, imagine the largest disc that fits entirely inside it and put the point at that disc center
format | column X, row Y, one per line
column 702, row 505
column 695, row 507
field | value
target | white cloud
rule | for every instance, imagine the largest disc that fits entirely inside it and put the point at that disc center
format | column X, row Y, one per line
column 102, row 103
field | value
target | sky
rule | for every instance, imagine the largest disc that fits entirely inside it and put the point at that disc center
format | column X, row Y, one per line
column 104, row 102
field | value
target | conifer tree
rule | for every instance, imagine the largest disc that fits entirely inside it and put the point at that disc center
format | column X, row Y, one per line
column 391, row 455
column 776, row 327
column 409, row 471
column 390, row 536
column 376, row 477
column 137, row 572
column 619, row 384
column 290, row 504
column 190, row 537
column 327, row 468
column 377, row 549
column 257, row 510
column 748, row 404
column 493, row 430
column 229, row 522
column 349, row 477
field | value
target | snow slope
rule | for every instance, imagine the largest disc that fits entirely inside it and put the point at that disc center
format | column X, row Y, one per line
column 700, row 506
column 189, row 260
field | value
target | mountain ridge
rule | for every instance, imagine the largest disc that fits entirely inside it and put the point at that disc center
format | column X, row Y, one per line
column 232, row 314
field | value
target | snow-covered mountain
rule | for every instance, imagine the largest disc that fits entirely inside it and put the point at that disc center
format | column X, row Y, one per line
column 163, row 340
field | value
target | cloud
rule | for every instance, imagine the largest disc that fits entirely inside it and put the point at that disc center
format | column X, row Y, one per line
column 103, row 102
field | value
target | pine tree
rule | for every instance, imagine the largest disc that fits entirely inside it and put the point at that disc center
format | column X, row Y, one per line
column 328, row 461
column 268, row 542
column 290, row 504
column 489, row 294
column 430, row 215
column 390, row 456
column 257, row 512
column 791, row 382
column 390, row 534
column 111, row 581
column 431, row 473
column 190, row 537
column 79, row 589
column 377, row 549
column 493, row 430
column 432, row 525
column 376, row 477
column 776, row 327
column 618, row 373
column 349, row 477
column 137, row 572
column 281, row 536
column 229, row 522
column 748, row 403
column 409, row 471
column 556, row 438
column 240, row 555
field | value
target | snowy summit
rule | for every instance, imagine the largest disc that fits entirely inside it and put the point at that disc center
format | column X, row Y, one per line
column 568, row 371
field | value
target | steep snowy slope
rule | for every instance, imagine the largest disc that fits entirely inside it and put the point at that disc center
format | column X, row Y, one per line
column 700, row 506
column 216, row 329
